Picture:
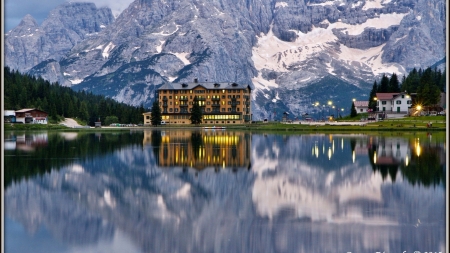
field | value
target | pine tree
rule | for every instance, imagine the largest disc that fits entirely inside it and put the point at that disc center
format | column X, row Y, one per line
column 156, row 117
column 394, row 84
column 196, row 116
column 428, row 92
column 83, row 111
column 373, row 94
column 384, row 85
column 353, row 112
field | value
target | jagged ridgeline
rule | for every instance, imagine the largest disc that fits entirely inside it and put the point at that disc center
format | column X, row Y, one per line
column 26, row 91
column 292, row 53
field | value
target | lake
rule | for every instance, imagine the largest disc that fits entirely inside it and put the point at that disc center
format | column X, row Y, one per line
column 224, row 191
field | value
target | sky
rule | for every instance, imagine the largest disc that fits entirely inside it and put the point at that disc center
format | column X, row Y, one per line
column 15, row 10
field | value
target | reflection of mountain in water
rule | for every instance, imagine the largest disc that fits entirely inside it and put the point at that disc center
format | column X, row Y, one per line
column 288, row 202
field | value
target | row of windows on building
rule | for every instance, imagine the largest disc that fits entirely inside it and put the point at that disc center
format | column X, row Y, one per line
column 200, row 91
column 185, row 110
column 398, row 102
column 205, row 117
column 201, row 103
column 204, row 97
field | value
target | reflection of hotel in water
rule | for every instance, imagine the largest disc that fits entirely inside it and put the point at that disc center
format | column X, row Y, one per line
column 203, row 149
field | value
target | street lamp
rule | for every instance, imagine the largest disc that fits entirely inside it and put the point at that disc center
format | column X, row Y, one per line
column 376, row 103
column 323, row 108
column 418, row 108
column 329, row 107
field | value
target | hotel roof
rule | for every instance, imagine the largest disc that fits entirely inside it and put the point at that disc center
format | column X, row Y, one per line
column 206, row 85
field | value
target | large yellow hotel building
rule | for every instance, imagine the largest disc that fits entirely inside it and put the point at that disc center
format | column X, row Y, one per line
column 221, row 103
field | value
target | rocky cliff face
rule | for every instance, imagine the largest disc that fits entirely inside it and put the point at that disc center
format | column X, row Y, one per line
column 292, row 52
column 34, row 48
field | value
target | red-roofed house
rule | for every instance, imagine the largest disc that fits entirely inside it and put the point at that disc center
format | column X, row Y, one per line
column 361, row 106
column 32, row 115
column 398, row 102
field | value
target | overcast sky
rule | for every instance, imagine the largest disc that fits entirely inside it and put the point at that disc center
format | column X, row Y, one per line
column 15, row 10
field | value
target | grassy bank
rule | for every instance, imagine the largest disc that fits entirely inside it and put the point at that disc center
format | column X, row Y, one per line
column 438, row 123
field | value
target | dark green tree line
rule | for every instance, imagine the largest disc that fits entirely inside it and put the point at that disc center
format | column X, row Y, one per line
column 26, row 91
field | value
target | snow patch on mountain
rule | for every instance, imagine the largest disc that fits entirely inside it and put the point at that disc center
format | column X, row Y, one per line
column 182, row 57
column 383, row 21
column 262, row 84
column 273, row 54
column 281, row 4
column 338, row 2
column 107, row 50
column 370, row 57
column 375, row 4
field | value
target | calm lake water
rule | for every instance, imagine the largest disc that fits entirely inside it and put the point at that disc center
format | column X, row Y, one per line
column 224, row 191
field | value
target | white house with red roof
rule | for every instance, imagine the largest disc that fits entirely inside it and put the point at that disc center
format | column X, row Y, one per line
column 361, row 106
column 394, row 102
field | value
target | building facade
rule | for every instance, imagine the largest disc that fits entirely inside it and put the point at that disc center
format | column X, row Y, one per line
column 361, row 106
column 32, row 115
column 221, row 103
column 398, row 102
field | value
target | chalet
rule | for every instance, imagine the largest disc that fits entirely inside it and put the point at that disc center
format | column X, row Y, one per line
column 395, row 102
column 32, row 115
column 361, row 106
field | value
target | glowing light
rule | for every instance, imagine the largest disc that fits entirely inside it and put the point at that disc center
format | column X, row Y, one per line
column 375, row 157
column 353, row 156
column 329, row 153
column 406, row 160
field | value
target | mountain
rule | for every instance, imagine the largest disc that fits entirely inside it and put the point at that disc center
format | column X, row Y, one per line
column 292, row 53
column 38, row 49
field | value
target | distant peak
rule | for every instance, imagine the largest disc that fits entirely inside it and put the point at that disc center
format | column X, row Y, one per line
column 28, row 20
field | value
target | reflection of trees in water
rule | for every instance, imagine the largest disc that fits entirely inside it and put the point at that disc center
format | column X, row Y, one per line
column 60, row 152
column 425, row 169
column 156, row 142
column 196, row 142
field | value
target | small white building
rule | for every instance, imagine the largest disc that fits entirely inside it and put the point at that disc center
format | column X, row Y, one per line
column 10, row 116
column 396, row 102
column 361, row 106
